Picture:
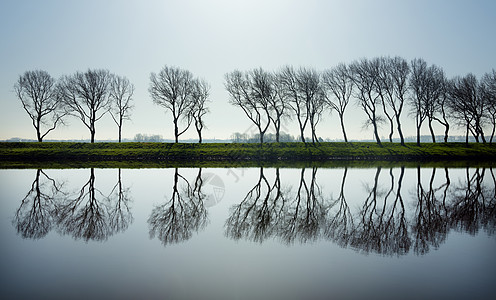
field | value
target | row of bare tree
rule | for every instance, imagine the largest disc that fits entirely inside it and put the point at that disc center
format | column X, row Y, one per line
column 87, row 96
column 92, row 94
column 382, row 87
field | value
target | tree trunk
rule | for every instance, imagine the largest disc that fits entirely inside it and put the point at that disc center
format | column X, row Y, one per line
column 176, row 131
column 418, row 135
column 302, row 134
column 278, row 129
column 376, row 134
column 342, row 128
column 466, row 135
column 402, row 138
column 432, row 131
column 446, row 131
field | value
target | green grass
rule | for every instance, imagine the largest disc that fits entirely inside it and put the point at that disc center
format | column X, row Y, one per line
column 230, row 154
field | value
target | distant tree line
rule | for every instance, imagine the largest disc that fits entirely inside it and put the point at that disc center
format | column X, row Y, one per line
column 383, row 87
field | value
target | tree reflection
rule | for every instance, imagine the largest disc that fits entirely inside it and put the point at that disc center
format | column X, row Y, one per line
column 258, row 215
column 185, row 213
column 90, row 215
column 473, row 206
column 120, row 216
column 304, row 215
column 269, row 211
column 340, row 225
column 431, row 216
column 35, row 216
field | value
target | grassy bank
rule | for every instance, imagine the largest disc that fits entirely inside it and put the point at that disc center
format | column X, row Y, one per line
column 226, row 154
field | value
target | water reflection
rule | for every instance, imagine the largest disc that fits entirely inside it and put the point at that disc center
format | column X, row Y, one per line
column 185, row 213
column 389, row 219
column 85, row 214
column 35, row 216
column 382, row 223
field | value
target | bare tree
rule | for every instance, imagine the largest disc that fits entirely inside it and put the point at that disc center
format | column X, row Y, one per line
column 418, row 83
column 441, row 111
column 171, row 88
column 303, row 90
column 278, row 106
column 313, row 95
column 364, row 75
column 250, row 91
column 488, row 88
column 384, row 87
column 121, row 93
column 434, row 95
column 86, row 96
column 37, row 92
column 468, row 106
column 393, row 78
column 290, row 87
column 338, row 82
column 199, row 97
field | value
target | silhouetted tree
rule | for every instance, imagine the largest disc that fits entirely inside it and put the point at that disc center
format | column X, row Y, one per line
column 393, row 82
column 488, row 89
column 303, row 91
column 384, row 88
column 467, row 105
column 172, row 88
column 251, row 92
column 121, row 93
column 278, row 106
column 339, row 86
column 38, row 94
column 365, row 76
column 419, row 83
column 199, row 96
column 435, row 98
column 86, row 96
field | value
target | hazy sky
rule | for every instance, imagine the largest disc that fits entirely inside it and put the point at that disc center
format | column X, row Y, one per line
column 211, row 38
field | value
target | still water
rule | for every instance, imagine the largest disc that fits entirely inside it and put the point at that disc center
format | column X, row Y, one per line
column 253, row 233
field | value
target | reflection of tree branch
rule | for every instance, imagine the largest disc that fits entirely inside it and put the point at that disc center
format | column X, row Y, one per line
column 431, row 225
column 84, row 216
column 366, row 236
column 120, row 216
column 305, row 215
column 175, row 221
column 470, row 210
column 258, row 215
column 34, row 217
column 340, row 225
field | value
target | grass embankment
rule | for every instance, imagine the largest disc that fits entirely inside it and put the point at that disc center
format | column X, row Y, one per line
column 221, row 154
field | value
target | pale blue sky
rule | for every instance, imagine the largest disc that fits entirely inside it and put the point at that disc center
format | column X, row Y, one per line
column 211, row 38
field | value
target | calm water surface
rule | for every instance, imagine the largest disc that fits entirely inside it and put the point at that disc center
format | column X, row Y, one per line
column 254, row 233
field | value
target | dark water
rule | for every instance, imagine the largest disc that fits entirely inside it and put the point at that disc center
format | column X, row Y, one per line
column 345, row 233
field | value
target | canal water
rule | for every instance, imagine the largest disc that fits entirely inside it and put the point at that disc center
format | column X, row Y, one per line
column 248, row 233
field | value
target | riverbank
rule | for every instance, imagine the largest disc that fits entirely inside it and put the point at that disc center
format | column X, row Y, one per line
column 223, row 154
